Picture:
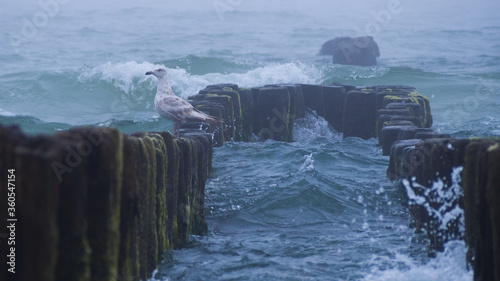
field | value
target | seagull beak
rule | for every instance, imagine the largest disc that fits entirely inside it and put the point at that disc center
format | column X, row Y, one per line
column 149, row 73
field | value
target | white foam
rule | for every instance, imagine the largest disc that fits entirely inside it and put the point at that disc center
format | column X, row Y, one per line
column 126, row 76
column 6, row 113
column 308, row 164
column 447, row 266
column 186, row 84
column 313, row 126
column 447, row 198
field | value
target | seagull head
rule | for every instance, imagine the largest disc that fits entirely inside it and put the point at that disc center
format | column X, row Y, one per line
column 159, row 73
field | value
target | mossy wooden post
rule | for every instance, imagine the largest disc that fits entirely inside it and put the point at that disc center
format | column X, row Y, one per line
column 478, row 228
column 217, row 110
column 426, row 105
column 389, row 135
column 493, row 197
column 441, row 163
column 297, row 104
column 75, row 252
column 104, row 193
column 256, row 126
column 150, row 204
column 204, row 147
column 402, row 161
column 172, row 188
column 128, row 260
column 192, row 183
column 384, row 115
column 409, row 133
column 360, row 114
column 238, row 113
column 313, row 98
column 161, row 197
column 272, row 113
column 10, row 136
column 37, row 206
column 247, row 104
column 334, row 98
column 185, row 180
column 226, row 101
column 300, row 105
column 145, row 172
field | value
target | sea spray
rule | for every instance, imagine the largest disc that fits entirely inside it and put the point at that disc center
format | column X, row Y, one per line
column 444, row 220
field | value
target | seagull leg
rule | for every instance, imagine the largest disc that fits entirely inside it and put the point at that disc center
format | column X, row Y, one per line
column 177, row 127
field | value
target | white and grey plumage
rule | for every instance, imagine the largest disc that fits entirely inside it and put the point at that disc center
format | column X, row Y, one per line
column 174, row 108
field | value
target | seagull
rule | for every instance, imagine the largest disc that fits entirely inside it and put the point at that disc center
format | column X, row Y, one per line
column 174, row 108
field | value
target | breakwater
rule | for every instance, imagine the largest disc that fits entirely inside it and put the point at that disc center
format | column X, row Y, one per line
column 95, row 204
column 269, row 112
column 454, row 193
column 451, row 184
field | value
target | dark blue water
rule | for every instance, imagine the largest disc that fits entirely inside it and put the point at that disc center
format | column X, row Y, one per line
column 319, row 208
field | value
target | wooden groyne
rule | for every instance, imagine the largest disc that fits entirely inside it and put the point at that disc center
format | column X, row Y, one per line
column 430, row 164
column 95, row 204
column 269, row 112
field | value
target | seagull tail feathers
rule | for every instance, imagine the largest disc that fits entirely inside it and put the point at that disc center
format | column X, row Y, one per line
column 201, row 116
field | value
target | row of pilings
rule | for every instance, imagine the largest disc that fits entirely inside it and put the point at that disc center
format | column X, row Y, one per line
column 454, row 191
column 447, row 181
column 269, row 112
column 95, row 204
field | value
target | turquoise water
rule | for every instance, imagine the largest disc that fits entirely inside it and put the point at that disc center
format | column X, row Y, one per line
column 319, row 208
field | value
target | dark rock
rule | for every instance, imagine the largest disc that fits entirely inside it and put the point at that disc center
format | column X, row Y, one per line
column 361, row 51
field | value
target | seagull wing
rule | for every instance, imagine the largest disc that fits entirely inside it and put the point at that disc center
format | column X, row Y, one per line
column 174, row 108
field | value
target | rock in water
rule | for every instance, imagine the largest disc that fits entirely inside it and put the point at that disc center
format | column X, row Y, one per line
column 361, row 51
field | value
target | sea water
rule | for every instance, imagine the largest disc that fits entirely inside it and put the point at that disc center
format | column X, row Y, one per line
column 319, row 208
